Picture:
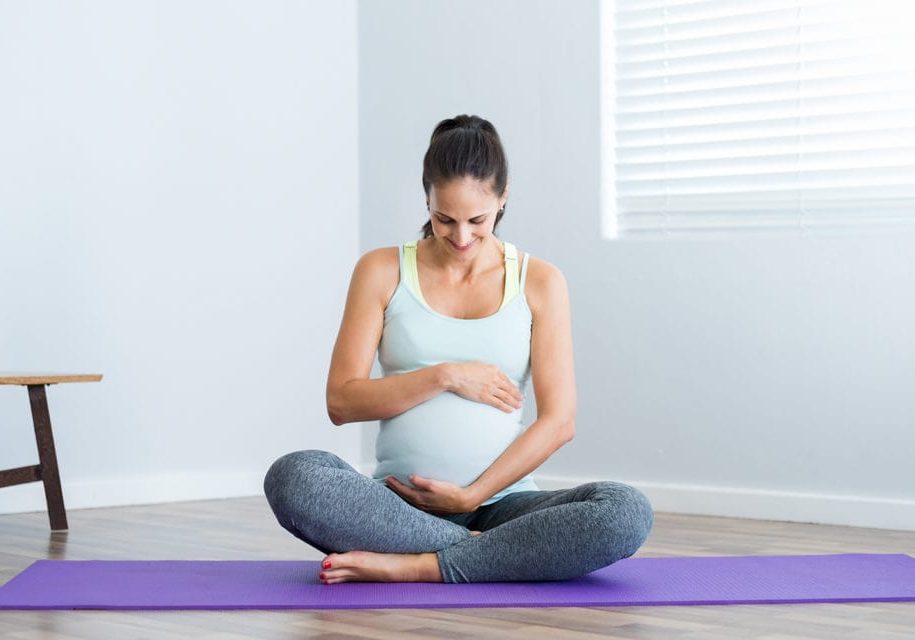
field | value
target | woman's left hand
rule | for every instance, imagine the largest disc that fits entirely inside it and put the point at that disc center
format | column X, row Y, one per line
column 433, row 496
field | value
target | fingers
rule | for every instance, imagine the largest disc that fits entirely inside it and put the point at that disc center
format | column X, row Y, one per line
column 506, row 401
column 421, row 483
column 400, row 488
column 424, row 497
column 418, row 482
column 501, row 405
column 397, row 484
column 493, row 388
column 514, row 391
column 409, row 494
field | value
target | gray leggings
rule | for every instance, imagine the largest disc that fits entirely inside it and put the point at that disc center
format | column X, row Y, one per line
column 527, row 535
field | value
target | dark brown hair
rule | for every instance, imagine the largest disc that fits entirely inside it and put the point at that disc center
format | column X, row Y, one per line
column 465, row 146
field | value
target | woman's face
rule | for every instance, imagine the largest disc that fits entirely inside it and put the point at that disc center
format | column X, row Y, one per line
column 463, row 214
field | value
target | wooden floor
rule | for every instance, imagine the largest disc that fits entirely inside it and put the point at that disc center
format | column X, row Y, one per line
column 244, row 528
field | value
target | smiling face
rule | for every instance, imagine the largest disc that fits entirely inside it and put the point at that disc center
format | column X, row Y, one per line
column 463, row 214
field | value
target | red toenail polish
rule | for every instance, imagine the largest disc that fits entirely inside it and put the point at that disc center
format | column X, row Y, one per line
column 322, row 576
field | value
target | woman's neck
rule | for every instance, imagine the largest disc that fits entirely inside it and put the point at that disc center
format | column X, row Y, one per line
column 489, row 254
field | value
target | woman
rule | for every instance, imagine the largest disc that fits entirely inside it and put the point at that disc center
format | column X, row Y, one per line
column 460, row 321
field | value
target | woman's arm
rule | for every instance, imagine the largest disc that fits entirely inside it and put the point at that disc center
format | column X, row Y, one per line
column 351, row 395
column 554, row 387
column 354, row 397
column 553, row 374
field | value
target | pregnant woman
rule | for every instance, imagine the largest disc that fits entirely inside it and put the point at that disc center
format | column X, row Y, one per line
column 460, row 321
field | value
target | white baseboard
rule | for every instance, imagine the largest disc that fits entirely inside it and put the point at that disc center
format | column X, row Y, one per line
column 758, row 504
column 136, row 490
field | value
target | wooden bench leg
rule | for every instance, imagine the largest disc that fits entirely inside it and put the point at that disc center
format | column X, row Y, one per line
column 47, row 457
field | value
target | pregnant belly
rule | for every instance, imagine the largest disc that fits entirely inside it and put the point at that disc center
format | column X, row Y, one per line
column 446, row 438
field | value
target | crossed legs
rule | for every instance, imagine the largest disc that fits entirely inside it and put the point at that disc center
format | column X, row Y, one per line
column 370, row 533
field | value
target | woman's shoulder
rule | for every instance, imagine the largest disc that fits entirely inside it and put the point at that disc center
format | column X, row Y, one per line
column 539, row 271
column 381, row 257
column 379, row 269
column 545, row 282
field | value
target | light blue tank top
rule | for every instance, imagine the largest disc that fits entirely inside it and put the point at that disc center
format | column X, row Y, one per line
column 449, row 437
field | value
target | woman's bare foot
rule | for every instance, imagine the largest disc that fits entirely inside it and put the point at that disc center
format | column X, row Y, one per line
column 368, row 566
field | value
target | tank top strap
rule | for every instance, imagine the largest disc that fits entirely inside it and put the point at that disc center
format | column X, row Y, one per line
column 511, row 272
column 527, row 255
column 402, row 251
column 409, row 274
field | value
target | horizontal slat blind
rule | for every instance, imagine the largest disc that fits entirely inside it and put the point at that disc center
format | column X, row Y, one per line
column 763, row 113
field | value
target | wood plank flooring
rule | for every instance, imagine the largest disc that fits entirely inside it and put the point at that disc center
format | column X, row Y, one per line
column 244, row 529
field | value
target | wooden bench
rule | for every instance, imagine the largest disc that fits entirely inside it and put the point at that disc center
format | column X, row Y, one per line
column 46, row 470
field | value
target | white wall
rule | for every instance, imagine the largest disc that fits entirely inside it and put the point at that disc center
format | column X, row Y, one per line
column 178, row 182
column 750, row 376
column 178, row 211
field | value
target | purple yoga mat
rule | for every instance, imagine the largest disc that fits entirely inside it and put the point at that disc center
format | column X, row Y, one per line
column 182, row 584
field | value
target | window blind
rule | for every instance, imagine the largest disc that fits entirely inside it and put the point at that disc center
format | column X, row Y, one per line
column 757, row 114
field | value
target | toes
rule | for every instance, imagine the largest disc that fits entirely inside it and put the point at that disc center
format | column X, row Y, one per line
column 331, row 560
column 343, row 567
column 332, row 577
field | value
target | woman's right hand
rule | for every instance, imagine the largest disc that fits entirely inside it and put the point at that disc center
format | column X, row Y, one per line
column 485, row 383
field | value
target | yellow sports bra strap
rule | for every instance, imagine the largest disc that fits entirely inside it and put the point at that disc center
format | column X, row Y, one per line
column 512, row 287
column 410, row 271
column 511, row 273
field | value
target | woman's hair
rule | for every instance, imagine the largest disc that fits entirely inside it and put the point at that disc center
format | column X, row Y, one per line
column 465, row 146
